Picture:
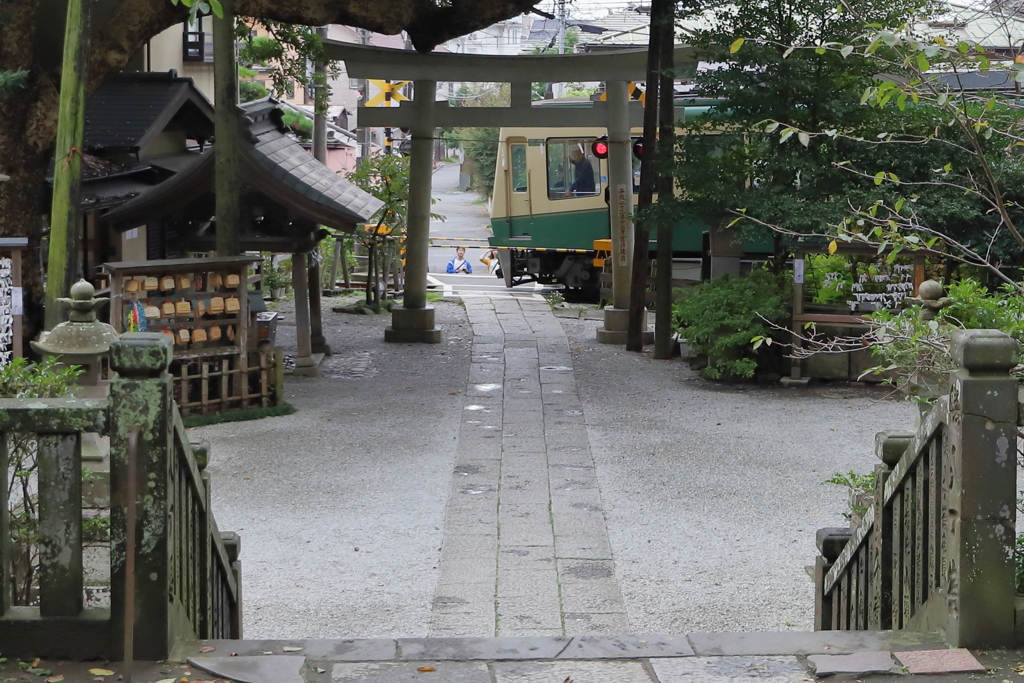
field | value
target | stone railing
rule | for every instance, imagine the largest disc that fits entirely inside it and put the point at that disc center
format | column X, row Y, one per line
column 935, row 551
column 185, row 573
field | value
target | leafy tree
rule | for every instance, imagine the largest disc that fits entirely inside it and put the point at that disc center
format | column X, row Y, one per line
column 248, row 88
column 386, row 177
column 725, row 160
column 480, row 144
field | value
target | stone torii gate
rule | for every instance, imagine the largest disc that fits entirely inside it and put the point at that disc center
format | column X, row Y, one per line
column 414, row 320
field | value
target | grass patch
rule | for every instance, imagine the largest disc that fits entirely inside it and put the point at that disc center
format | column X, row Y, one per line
column 434, row 297
column 237, row 415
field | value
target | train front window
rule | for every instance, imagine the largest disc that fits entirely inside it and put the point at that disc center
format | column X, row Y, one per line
column 518, row 154
column 573, row 171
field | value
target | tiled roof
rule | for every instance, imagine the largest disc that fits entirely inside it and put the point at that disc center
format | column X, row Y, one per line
column 129, row 107
column 283, row 158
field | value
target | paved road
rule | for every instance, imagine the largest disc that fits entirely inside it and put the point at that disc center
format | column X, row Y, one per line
column 467, row 224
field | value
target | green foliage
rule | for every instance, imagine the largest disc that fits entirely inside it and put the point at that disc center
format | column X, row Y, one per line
column 481, row 145
column 273, row 278
column 12, row 81
column 751, row 151
column 286, row 51
column 828, row 278
column 237, row 415
column 917, row 350
column 300, row 125
column 48, row 379
column 721, row 317
column 858, row 486
column 248, row 88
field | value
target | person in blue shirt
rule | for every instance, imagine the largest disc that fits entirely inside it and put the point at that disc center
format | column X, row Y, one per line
column 459, row 264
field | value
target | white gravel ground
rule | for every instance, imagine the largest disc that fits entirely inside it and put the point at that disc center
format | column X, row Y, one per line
column 713, row 492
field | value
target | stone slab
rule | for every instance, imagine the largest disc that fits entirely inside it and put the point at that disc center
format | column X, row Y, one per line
column 729, row 670
column 477, row 649
column 868, row 662
column 809, row 643
column 577, row 671
column 253, row 669
column 406, row 672
column 621, row 647
column 348, row 649
column 940, row 661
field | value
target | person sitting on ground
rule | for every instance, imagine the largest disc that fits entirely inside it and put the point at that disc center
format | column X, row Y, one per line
column 459, row 264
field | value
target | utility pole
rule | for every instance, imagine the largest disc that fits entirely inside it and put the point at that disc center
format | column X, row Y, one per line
column 559, row 89
column 666, row 148
column 65, row 239
column 661, row 10
column 225, row 119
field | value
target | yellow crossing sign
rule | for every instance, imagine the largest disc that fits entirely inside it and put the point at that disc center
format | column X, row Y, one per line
column 635, row 93
column 387, row 94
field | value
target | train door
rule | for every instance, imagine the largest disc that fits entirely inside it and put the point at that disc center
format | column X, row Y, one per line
column 517, row 178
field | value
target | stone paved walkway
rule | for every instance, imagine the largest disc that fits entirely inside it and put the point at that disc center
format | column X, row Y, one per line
column 525, row 550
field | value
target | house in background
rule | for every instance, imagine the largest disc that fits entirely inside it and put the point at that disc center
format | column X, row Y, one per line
column 141, row 129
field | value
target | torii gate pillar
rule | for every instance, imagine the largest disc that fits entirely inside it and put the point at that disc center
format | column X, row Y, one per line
column 413, row 322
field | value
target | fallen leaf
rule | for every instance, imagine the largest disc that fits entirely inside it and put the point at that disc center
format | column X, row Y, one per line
column 233, row 654
column 208, row 648
column 36, row 663
column 101, row 672
column 426, row 668
column 291, row 648
column 166, row 680
column 54, row 679
column 268, row 653
column 567, row 680
column 318, row 670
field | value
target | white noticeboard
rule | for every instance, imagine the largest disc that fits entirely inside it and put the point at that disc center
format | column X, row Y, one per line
column 798, row 271
column 8, row 303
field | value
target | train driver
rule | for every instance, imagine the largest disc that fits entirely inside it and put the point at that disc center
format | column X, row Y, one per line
column 584, row 181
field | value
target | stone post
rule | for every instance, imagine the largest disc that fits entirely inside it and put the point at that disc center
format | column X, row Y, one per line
column 141, row 394
column 979, row 484
column 620, row 208
column 830, row 542
column 889, row 447
column 413, row 322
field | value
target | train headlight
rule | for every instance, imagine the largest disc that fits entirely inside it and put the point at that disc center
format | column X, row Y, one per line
column 600, row 147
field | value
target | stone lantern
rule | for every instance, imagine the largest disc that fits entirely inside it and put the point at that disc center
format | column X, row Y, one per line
column 82, row 340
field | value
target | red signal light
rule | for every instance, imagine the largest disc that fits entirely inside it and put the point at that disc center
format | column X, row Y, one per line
column 638, row 148
column 600, row 148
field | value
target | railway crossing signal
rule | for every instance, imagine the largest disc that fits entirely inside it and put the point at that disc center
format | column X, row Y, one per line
column 638, row 148
column 600, row 147
column 388, row 94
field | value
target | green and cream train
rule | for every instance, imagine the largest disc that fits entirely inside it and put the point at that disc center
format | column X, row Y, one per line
column 545, row 221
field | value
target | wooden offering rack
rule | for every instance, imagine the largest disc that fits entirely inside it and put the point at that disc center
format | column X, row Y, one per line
column 208, row 296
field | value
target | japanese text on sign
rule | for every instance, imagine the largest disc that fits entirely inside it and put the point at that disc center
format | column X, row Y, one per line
column 621, row 225
column 7, row 311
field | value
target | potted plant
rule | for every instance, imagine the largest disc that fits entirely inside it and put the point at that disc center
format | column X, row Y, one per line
column 276, row 282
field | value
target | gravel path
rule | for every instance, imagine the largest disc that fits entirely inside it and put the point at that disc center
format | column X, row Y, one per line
column 711, row 494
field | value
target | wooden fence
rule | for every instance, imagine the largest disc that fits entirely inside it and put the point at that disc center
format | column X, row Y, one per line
column 189, row 585
column 935, row 550
column 216, row 384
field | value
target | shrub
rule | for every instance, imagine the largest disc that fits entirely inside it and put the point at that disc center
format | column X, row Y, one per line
column 721, row 318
